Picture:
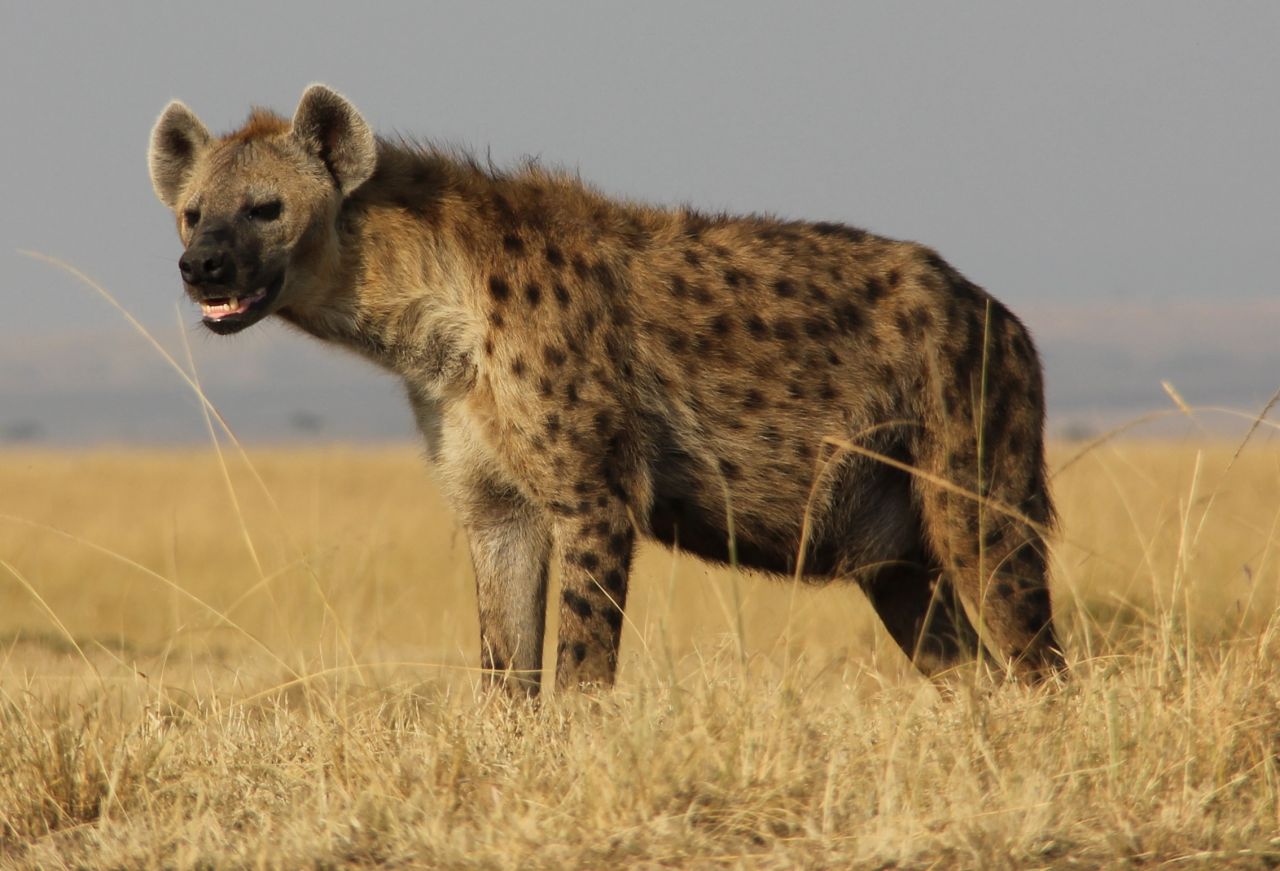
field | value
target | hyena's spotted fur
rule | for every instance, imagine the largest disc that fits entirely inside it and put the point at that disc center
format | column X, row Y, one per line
column 586, row 371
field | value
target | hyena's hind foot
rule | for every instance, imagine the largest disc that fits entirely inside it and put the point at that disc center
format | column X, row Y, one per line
column 1010, row 593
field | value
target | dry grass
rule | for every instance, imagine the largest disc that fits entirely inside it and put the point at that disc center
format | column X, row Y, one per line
column 189, row 679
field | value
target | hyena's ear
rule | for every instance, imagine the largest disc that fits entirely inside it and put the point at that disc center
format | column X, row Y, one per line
column 330, row 127
column 177, row 141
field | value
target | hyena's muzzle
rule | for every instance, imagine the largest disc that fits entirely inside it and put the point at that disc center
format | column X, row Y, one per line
column 224, row 271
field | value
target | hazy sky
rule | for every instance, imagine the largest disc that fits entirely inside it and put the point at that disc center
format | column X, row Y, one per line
column 1108, row 169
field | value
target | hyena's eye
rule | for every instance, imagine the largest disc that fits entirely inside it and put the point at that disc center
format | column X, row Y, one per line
column 264, row 211
column 191, row 216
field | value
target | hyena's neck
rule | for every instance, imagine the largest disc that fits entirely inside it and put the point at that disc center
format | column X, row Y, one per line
column 424, row 240
column 412, row 244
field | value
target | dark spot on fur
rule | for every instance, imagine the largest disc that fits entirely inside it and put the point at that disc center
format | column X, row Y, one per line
column 512, row 244
column 736, row 278
column 554, row 256
column 604, row 276
column 757, row 327
column 677, row 341
column 895, row 278
column 488, row 346
column 828, row 391
column 816, row 328
column 817, row 294
column 503, row 207
column 753, row 401
column 875, row 290
column 580, row 267
column 701, row 295
column 498, row 288
column 554, row 356
column 1004, row 589
column 579, row 652
column 692, row 257
column 577, row 605
column 571, row 393
column 613, row 617
column 533, row 294
column 730, row 469
column 517, row 367
column 849, row 318
column 562, row 295
column 619, row 543
column 784, row 330
column 679, row 289
column 1038, row 597
column 795, row 390
column 553, row 426
column 784, row 288
column 613, row 582
column 588, row 560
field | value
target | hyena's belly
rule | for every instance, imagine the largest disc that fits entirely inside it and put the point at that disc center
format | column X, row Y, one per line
column 726, row 502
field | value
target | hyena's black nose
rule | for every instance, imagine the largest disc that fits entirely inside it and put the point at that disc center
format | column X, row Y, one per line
column 205, row 266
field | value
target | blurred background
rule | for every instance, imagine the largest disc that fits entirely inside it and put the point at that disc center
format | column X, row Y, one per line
column 1108, row 170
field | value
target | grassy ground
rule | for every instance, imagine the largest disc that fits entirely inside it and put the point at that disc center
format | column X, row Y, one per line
column 200, row 669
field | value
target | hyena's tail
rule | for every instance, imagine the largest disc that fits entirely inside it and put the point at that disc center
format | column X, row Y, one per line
column 984, row 496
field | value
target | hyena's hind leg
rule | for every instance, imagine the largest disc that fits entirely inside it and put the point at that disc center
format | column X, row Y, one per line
column 986, row 441
column 922, row 613
column 1003, row 579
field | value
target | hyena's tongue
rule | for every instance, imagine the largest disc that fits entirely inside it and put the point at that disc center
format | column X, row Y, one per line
column 232, row 305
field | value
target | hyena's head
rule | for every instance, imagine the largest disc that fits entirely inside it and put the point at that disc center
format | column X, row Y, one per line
column 257, row 210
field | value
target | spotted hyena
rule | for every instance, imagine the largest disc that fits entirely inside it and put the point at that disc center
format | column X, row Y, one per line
column 802, row 399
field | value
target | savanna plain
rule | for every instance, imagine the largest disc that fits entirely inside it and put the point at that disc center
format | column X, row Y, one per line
column 214, row 659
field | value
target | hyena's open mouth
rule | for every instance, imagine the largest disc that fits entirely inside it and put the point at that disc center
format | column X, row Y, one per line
column 231, row 314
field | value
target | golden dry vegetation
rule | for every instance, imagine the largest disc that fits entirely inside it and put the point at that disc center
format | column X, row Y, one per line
column 271, row 666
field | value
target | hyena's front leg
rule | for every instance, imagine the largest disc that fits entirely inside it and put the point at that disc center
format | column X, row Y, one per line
column 510, row 543
column 596, row 539
column 510, row 551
